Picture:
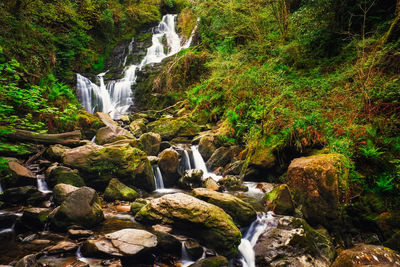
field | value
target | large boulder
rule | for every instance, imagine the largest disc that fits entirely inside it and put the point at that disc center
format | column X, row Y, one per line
column 22, row 195
column 170, row 128
column 214, row 228
column 138, row 127
column 150, row 143
column 88, row 124
column 63, row 175
column 61, row 191
column 222, row 156
column 118, row 191
column 315, row 182
column 207, row 146
column 56, row 152
column 293, row 243
column 122, row 243
column 242, row 213
column 100, row 164
column 279, row 200
column 35, row 218
column 17, row 175
column 107, row 135
column 367, row 255
column 169, row 163
column 262, row 157
column 191, row 179
column 81, row 207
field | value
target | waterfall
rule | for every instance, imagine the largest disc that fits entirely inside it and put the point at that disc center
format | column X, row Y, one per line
column 116, row 97
column 41, row 184
column 185, row 258
column 201, row 165
column 263, row 222
column 1, row 189
column 186, row 160
column 158, row 178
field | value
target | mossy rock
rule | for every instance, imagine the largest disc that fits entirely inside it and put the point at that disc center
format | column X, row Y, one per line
column 150, row 143
column 280, row 200
column 56, row 152
column 118, row 191
column 262, row 157
column 138, row 127
column 216, row 261
column 99, row 164
column 137, row 205
column 64, row 175
column 214, row 228
column 88, row 124
column 170, row 128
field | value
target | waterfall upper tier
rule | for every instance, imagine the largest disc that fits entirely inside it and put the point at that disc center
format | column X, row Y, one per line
column 116, row 96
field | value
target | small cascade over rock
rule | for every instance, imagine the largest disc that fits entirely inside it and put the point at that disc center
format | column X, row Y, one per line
column 201, row 165
column 116, row 97
column 1, row 189
column 263, row 222
column 158, row 178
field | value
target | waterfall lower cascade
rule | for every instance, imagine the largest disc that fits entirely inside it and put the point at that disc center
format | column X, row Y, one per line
column 201, row 165
column 263, row 222
column 158, row 178
column 116, row 97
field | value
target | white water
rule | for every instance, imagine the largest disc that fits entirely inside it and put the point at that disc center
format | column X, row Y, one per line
column 264, row 222
column 116, row 97
column 186, row 160
column 201, row 165
column 1, row 189
column 42, row 185
column 158, row 178
column 185, row 258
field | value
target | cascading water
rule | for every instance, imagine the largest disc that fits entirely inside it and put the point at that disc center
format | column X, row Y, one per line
column 1, row 189
column 201, row 165
column 42, row 185
column 263, row 222
column 158, row 178
column 116, row 97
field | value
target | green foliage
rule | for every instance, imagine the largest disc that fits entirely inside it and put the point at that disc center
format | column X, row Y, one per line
column 369, row 151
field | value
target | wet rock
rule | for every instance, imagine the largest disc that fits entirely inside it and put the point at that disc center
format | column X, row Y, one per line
column 108, row 135
column 211, row 184
column 242, row 213
column 207, row 146
column 222, row 156
column 22, row 195
column 219, row 261
column 170, row 128
column 194, row 249
column 232, row 183
column 213, row 226
column 279, row 200
column 314, row 182
column 17, row 175
column 234, row 168
column 123, row 243
column 138, row 127
column 35, row 218
column 191, row 179
column 99, row 164
column 88, row 124
column 27, row 261
column 137, row 205
column 61, row 191
column 7, row 235
column 293, row 243
column 169, row 163
column 64, row 175
column 153, row 159
column 262, row 157
column 367, row 255
column 63, row 247
column 164, row 145
column 78, row 233
column 167, row 243
column 7, row 219
column 56, row 152
column 150, row 143
column 119, row 191
column 82, row 207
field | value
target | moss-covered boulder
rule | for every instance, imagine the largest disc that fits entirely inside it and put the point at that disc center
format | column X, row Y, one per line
column 216, row 261
column 214, row 228
column 293, row 243
column 82, row 207
column 138, row 127
column 24, row 195
column 232, row 183
column 17, row 175
column 61, row 191
column 367, row 255
column 207, row 146
column 262, row 157
column 279, row 200
column 56, row 152
column 63, row 175
column 222, row 156
column 169, row 163
column 106, row 135
column 315, row 182
column 35, row 218
column 170, row 128
column 99, row 164
column 241, row 212
column 137, row 205
column 88, row 124
column 118, row 191
column 191, row 179
column 150, row 143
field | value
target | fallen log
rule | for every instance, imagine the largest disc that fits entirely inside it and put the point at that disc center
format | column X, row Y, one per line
column 67, row 139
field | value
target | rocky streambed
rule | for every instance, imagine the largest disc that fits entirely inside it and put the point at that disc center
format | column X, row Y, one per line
column 156, row 189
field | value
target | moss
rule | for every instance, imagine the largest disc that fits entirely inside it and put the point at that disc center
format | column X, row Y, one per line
column 118, row 191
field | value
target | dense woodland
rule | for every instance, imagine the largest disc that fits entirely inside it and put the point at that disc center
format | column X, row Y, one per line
column 280, row 78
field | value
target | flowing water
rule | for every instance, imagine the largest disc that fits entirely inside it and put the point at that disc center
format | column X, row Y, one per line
column 201, row 165
column 1, row 189
column 116, row 97
column 42, row 185
column 262, row 224
column 158, row 178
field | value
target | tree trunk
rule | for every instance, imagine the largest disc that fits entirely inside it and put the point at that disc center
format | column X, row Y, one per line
column 67, row 139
